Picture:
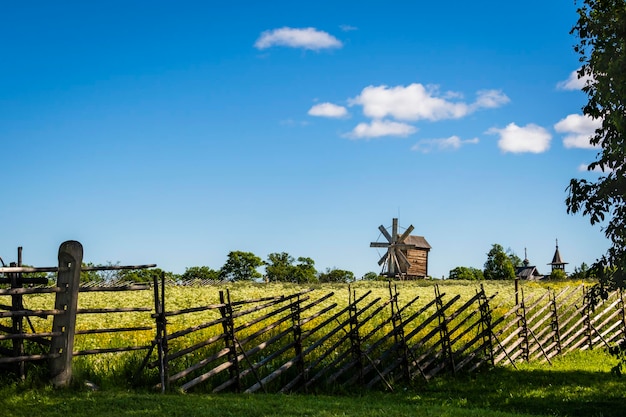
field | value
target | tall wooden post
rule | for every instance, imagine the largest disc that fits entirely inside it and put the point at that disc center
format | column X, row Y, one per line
column 17, row 304
column 68, row 279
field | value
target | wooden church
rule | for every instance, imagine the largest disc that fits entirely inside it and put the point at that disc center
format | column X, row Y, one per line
column 406, row 255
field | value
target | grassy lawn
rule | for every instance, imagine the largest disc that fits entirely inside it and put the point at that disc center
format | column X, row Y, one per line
column 579, row 384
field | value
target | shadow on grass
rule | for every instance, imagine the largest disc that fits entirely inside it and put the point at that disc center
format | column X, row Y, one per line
column 539, row 392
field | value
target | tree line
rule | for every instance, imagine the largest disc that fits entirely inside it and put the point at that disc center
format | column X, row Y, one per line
column 501, row 265
column 239, row 266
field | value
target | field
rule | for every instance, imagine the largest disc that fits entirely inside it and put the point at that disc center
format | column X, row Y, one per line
column 578, row 384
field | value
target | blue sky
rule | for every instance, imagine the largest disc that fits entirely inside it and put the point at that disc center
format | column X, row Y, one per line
column 175, row 132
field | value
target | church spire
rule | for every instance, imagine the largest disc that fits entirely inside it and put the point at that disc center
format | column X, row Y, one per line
column 557, row 261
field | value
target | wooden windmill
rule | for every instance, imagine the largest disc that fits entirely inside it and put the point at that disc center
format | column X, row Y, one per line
column 406, row 256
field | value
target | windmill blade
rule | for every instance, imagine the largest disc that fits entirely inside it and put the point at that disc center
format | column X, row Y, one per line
column 379, row 245
column 406, row 234
column 403, row 259
column 383, row 259
column 385, row 233
column 394, row 230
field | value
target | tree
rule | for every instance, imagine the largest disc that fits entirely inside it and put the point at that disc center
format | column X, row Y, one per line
column 469, row 273
column 202, row 273
column 498, row 265
column 582, row 272
column 515, row 260
column 279, row 267
column 558, row 275
column 142, row 275
column 370, row 276
column 601, row 29
column 304, row 271
column 336, row 275
column 241, row 266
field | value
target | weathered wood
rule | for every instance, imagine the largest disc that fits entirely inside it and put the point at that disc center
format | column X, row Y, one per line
column 193, row 329
column 113, row 310
column 114, row 330
column 70, row 259
column 32, row 313
column 34, row 290
column 110, row 350
column 193, row 310
column 201, row 364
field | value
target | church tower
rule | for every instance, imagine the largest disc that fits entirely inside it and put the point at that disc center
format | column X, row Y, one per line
column 557, row 262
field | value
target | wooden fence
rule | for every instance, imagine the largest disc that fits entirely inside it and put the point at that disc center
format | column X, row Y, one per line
column 308, row 341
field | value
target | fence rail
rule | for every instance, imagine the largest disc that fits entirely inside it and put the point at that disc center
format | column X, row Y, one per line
column 309, row 340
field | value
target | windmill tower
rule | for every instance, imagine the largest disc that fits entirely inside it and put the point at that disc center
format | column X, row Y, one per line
column 405, row 256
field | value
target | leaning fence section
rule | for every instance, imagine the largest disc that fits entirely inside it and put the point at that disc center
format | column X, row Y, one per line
column 556, row 322
column 310, row 340
column 307, row 341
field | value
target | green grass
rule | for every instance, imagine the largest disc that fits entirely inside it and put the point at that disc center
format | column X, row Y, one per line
column 578, row 384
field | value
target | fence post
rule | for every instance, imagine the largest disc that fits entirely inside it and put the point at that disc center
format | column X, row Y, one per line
column 521, row 312
column 443, row 331
column 68, row 279
column 485, row 320
column 229, row 330
column 555, row 324
column 398, row 332
column 297, row 338
column 161, row 331
column 587, row 310
column 17, row 322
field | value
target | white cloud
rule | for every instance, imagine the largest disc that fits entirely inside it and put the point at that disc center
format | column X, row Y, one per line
column 573, row 82
column 516, row 139
column 443, row 144
column 378, row 128
column 578, row 129
column 348, row 28
column 490, row 99
column 306, row 38
column 328, row 110
column 415, row 102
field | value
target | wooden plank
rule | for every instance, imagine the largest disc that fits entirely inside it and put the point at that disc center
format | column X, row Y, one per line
column 114, row 330
column 27, row 336
column 201, row 364
column 197, row 309
column 110, row 350
column 204, row 377
column 25, row 291
column 29, row 358
column 116, row 288
column 113, row 310
column 196, row 328
column 31, row 313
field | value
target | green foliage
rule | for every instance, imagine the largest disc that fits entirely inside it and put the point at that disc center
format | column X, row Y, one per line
column 580, row 272
column 90, row 277
column 498, row 265
column 370, row 276
column 601, row 31
column 141, row 275
column 200, row 273
column 516, row 261
column 469, row 273
column 558, row 275
column 336, row 275
column 304, row 271
column 241, row 266
column 280, row 268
